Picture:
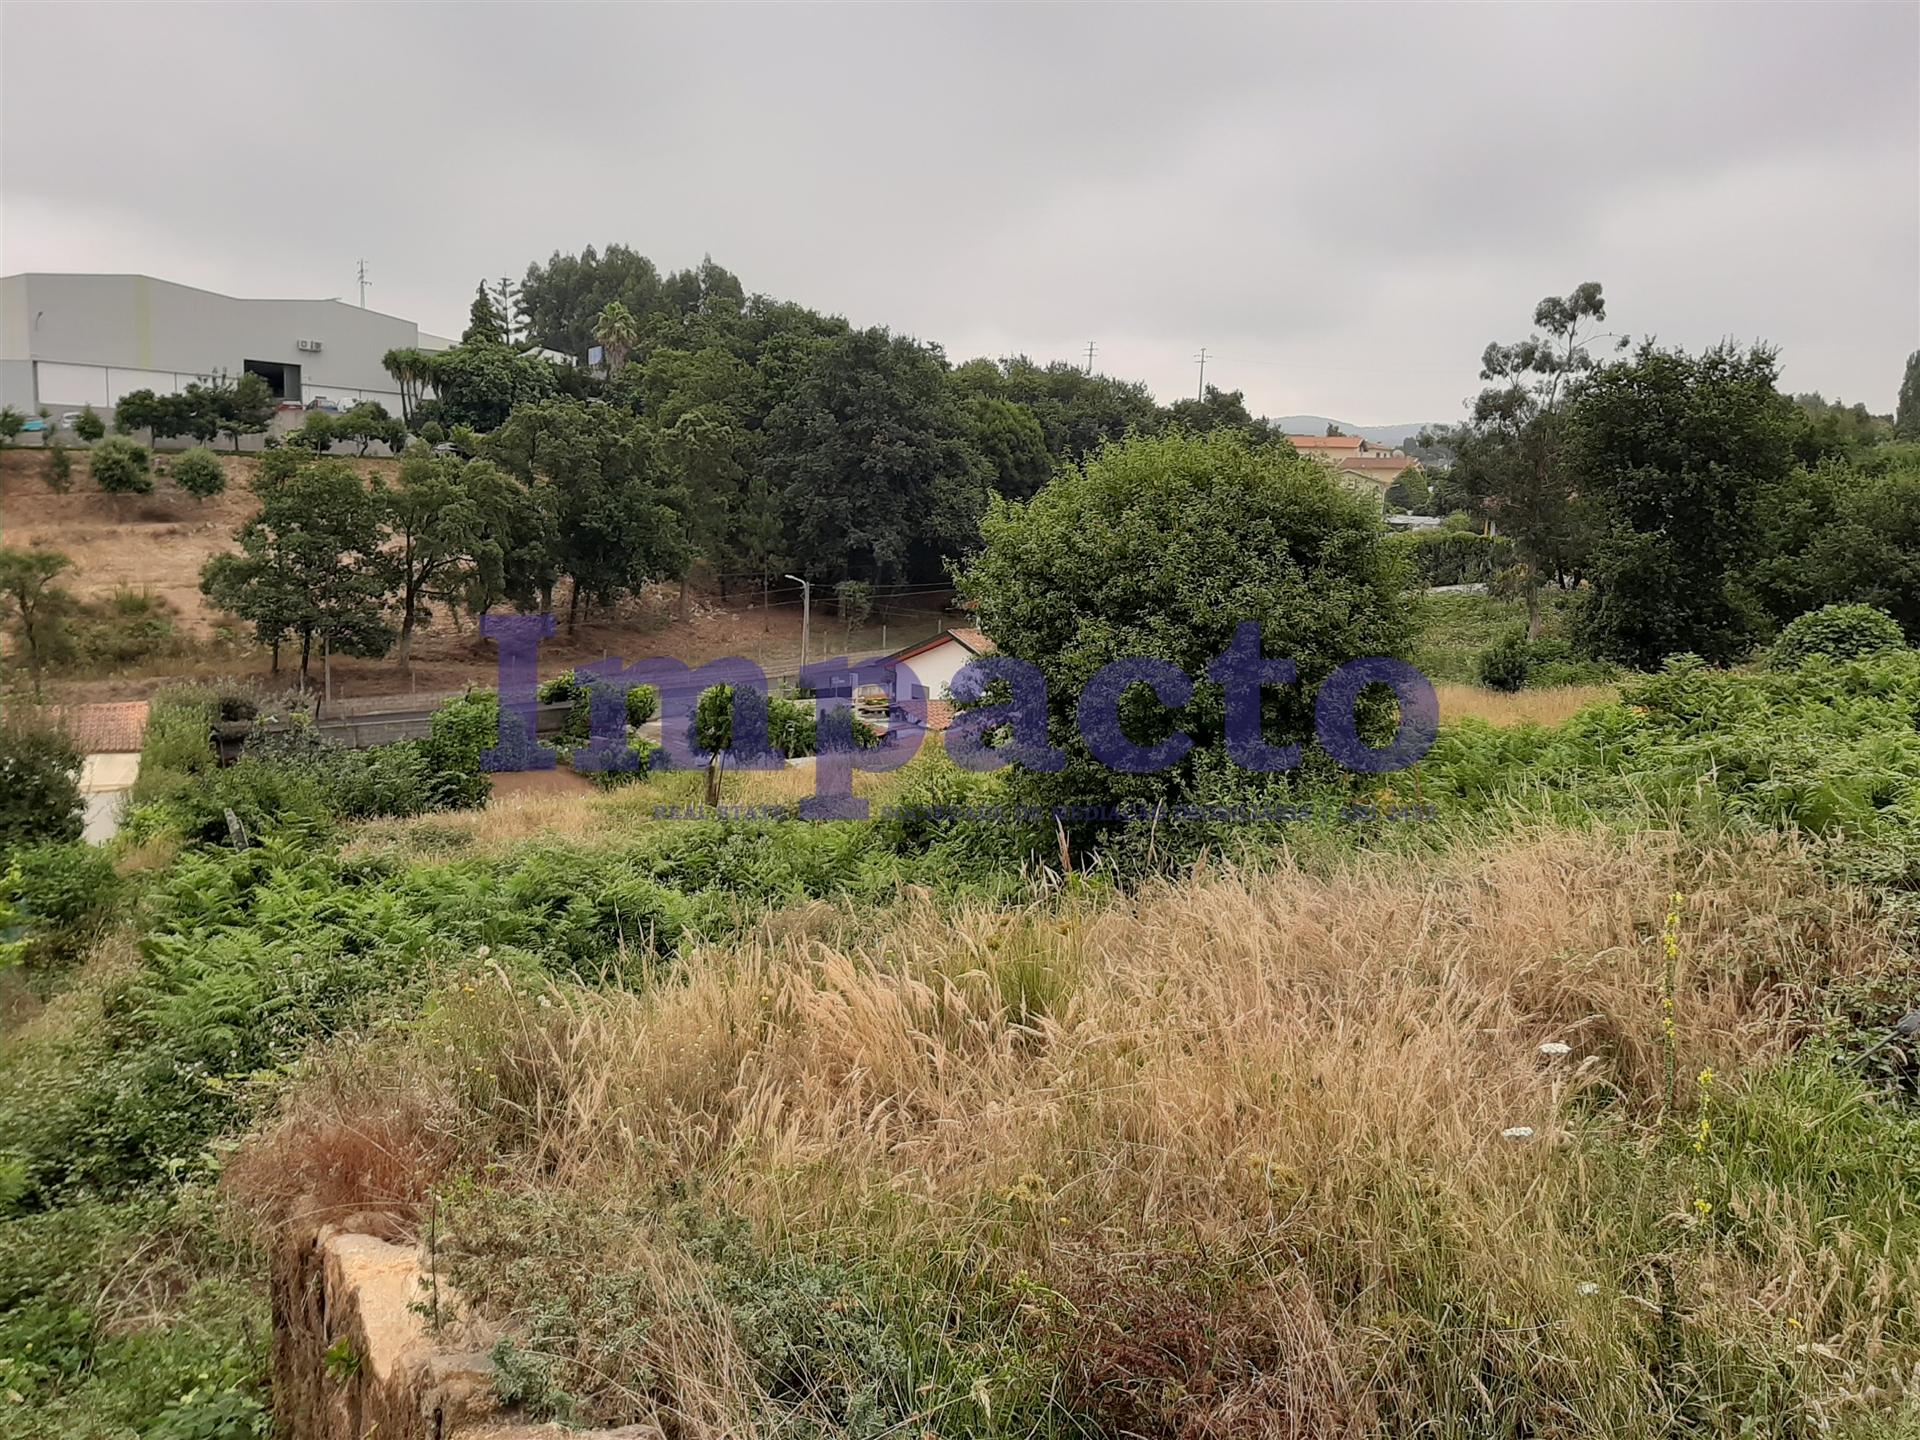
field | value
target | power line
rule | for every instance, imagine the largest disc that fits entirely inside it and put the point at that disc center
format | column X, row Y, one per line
column 1090, row 348
column 364, row 282
column 1201, row 393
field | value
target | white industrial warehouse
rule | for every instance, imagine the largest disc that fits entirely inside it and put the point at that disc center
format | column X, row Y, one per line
column 73, row 340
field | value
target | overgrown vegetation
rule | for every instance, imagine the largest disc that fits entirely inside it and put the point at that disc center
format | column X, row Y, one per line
column 1546, row 1088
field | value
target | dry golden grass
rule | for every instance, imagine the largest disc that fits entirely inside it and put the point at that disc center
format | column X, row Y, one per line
column 589, row 818
column 1549, row 706
column 1315, row 1071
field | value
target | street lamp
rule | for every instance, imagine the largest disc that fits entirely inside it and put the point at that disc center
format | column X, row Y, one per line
column 806, row 617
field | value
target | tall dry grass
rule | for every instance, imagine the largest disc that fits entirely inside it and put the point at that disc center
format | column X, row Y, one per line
column 1549, row 706
column 1293, row 1091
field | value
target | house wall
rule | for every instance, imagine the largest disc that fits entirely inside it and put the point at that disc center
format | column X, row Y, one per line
column 929, row 675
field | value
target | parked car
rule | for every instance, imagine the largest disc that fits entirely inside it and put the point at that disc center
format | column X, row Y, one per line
column 70, row 420
column 323, row 405
column 445, row 447
column 289, row 405
column 33, row 426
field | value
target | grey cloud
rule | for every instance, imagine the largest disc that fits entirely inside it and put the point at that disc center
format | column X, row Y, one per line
column 1344, row 204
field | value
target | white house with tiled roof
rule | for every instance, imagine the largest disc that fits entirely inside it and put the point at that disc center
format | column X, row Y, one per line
column 923, row 673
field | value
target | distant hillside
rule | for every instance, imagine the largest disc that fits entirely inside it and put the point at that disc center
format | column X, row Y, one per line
column 1379, row 434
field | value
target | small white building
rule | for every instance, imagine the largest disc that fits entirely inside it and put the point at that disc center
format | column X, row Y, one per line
column 923, row 672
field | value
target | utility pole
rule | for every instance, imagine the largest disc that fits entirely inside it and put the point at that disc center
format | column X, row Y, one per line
column 1201, row 393
column 364, row 282
column 1089, row 357
column 806, row 616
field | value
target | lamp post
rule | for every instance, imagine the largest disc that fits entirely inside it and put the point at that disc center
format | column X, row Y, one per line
column 806, row 616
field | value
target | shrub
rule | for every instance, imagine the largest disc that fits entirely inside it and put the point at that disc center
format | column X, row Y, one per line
column 121, row 467
column 462, row 730
column 199, row 473
column 1838, row 632
column 89, row 426
column 643, row 703
column 62, row 892
column 59, row 470
column 129, row 627
column 1455, row 557
column 179, row 741
column 39, row 784
column 1504, row 664
column 1162, row 546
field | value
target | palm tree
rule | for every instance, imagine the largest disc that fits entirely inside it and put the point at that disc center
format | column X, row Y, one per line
column 617, row 332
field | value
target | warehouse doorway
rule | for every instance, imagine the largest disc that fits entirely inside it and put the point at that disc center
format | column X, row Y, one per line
column 283, row 380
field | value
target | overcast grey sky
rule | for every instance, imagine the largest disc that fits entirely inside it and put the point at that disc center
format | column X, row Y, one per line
column 1342, row 205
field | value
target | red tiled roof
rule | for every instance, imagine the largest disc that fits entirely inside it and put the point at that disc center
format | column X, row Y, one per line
column 1327, row 442
column 105, row 729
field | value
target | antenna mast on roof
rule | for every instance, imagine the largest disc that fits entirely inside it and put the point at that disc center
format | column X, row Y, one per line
column 364, row 282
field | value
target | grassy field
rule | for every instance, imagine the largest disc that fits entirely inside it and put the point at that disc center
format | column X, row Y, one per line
column 1557, row 1107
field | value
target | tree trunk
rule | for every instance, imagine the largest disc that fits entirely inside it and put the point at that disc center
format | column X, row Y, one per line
column 573, row 607
column 1534, row 617
column 683, row 597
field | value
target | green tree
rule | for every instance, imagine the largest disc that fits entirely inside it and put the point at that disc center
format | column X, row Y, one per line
column 759, row 538
column 312, row 564
column 1676, row 450
column 367, row 423
column 1224, row 410
column 11, row 421
column 1162, row 547
column 1009, row 438
column 1906, row 411
column 59, row 469
column 35, row 607
column 121, row 467
column 480, row 385
column 614, row 520
column 1832, row 428
column 563, row 299
column 1077, row 412
column 1511, row 454
column 448, row 517
column 243, row 407
column 870, row 452
column 855, row 599
column 700, row 454
column 317, row 432
column 89, row 426
column 616, row 332
column 162, row 416
column 1839, row 533
column 39, row 784
column 412, row 370
column 484, row 325
column 199, row 473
